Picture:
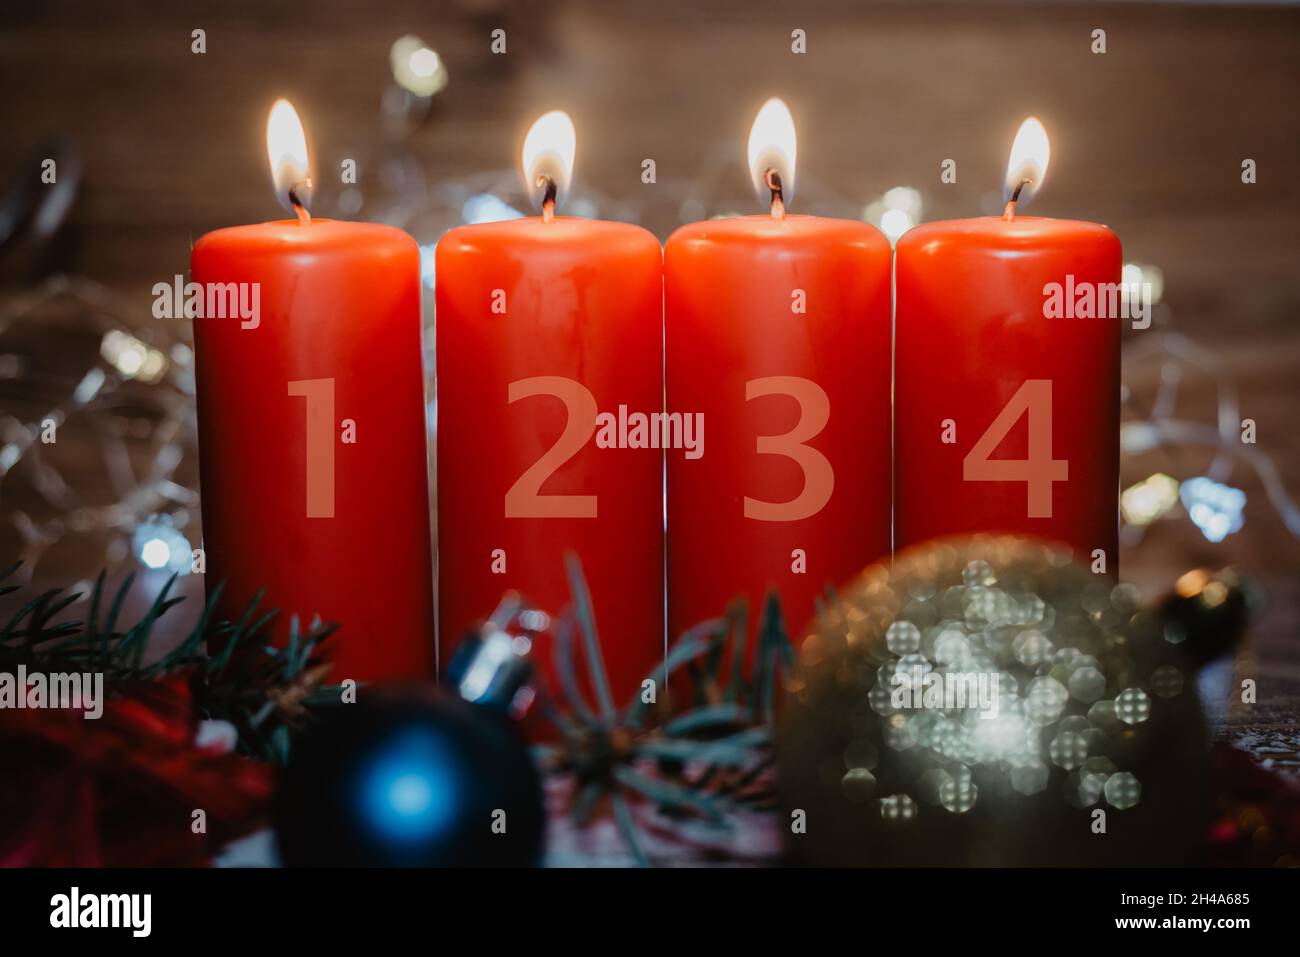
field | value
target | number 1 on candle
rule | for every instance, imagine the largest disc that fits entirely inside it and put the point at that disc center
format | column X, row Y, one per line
column 319, row 394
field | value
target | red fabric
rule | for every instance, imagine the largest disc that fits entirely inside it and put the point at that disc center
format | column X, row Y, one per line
column 120, row 790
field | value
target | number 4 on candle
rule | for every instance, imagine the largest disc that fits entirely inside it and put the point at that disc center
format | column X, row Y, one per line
column 1039, row 470
column 319, row 394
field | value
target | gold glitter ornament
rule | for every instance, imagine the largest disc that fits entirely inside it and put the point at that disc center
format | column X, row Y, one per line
column 987, row 702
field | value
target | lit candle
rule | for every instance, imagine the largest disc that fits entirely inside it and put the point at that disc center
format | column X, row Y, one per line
column 312, row 428
column 777, row 330
column 1007, row 420
column 545, row 324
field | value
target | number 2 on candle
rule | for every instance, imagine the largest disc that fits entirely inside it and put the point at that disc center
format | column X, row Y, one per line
column 1039, row 470
column 319, row 394
column 818, row 474
column 525, row 498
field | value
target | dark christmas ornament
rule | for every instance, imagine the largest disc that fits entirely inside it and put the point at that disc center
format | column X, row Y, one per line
column 1207, row 613
column 984, row 701
column 413, row 778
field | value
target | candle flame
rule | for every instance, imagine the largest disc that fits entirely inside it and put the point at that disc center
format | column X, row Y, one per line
column 548, row 155
column 772, row 148
column 286, row 148
column 1028, row 164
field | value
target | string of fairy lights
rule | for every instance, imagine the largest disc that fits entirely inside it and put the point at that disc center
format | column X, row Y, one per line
column 136, row 390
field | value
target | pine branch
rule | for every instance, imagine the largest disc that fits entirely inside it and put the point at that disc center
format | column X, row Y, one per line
column 713, row 759
column 267, row 694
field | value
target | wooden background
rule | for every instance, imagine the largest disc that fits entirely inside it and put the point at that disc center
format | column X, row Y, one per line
column 1148, row 138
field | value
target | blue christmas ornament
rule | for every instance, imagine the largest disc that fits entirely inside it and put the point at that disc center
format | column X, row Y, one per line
column 409, row 790
column 410, row 779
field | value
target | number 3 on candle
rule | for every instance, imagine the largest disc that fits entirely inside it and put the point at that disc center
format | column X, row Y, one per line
column 319, row 394
column 818, row 475
column 525, row 498
column 1039, row 470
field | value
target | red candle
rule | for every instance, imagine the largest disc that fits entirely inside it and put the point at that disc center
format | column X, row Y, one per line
column 777, row 330
column 312, row 427
column 1007, row 420
column 544, row 324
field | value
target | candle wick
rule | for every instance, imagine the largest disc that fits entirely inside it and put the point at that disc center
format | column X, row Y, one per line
column 1010, row 212
column 773, row 180
column 304, row 217
column 548, row 199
